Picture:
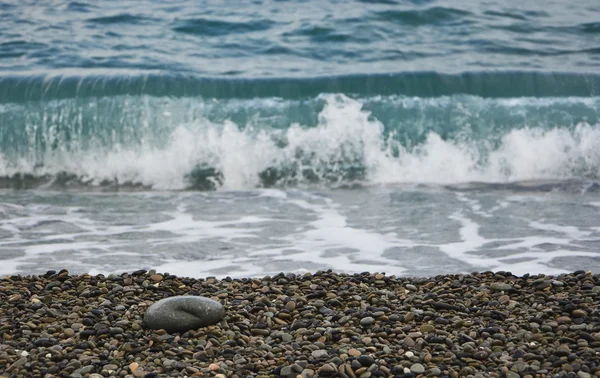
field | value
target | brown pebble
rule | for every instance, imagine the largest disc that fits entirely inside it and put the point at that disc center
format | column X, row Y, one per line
column 69, row 332
column 349, row 371
column 361, row 370
column 156, row 277
column 354, row 352
column 327, row 369
column 563, row 319
column 578, row 313
column 191, row 370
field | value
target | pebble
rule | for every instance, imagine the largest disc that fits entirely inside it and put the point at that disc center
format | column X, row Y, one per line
column 354, row 352
column 500, row 286
column 183, row 313
column 319, row 353
column 409, row 342
column 110, row 367
column 563, row 319
column 327, row 369
column 287, row 371
column 578, row 313
column 417, row 368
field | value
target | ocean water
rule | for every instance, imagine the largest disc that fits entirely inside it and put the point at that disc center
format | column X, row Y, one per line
column 209, row 138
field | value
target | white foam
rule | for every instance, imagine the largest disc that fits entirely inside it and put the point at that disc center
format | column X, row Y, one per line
column 569, row 231
column 345, row 134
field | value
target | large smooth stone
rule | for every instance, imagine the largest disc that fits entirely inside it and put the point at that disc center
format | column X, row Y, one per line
column 182, row 313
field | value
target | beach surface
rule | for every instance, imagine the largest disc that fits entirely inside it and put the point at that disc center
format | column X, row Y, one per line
column 318, row 324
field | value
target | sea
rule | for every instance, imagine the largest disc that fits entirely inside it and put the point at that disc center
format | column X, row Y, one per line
column 248, row 138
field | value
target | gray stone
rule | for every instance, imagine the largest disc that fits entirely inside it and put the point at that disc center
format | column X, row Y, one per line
column 501, row 286
column 116, row 331
column 86, row 369
column 110, row 367
column 417, row 368
column 367, row 321
column 182, row 313
column 17, row 364
column 287, row 371
column 319, row 353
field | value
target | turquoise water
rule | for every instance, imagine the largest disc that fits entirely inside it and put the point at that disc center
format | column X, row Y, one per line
column 458, row 102
column 87, row 87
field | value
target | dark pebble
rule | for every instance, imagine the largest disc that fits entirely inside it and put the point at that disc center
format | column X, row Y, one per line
column 43, row 343
column 365, row 360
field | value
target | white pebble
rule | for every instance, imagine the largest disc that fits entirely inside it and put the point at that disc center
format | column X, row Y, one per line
column 24, row 353
column 409, row 354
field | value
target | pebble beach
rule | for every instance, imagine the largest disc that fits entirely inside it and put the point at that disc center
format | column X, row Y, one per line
column 313, row 325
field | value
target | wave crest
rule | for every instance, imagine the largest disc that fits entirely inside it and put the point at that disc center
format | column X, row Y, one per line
column 348, row 145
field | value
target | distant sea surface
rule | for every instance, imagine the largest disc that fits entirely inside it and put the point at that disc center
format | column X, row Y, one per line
column 246, row 138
